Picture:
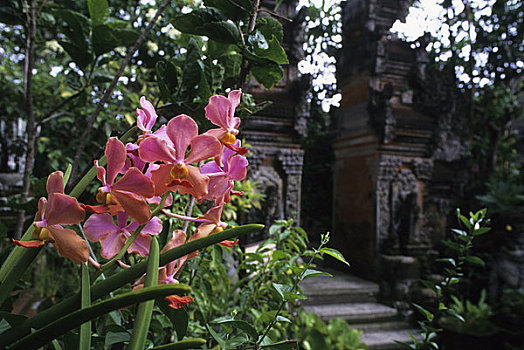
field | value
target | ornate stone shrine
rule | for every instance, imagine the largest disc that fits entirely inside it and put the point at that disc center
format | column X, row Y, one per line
column 273, row 134
column 399, row 159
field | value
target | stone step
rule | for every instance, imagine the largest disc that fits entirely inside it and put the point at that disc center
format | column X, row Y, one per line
column 385, row 340
column 381, row 326
column 354, row 312
column 338, row 289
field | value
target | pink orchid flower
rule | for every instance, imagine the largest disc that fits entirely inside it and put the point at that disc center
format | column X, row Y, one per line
column 129, row 192
column 176, row 172
column 221, row 181
column 101, row 228
column 166, row 273
column 59, row 209
column 209, row 223
column 221, row 112
column 146, row 118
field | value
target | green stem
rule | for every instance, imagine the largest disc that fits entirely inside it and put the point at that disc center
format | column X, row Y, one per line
column 145, row 309
column 295, row 285
column 182, row 345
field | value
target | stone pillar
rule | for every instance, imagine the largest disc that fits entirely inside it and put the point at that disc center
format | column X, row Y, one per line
column 274, row 134
column 397, row 156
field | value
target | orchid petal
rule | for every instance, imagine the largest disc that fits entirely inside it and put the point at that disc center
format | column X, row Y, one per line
column 116, row 158
column 154, row 149
column 140, row 245
column 55, row 184
column 100, row 173
column 161, row 177
column 181, row 130
column 211, row 168
column 42, row 204
column 112, row 244
column 69, row 244
column 136, row 182
column 178, row 302
column 121, row 219
column 234, row 97
column 198, row 181
column 137, row 208
column 146, row 118
column 238, row 168
column 28, row 244
column 99, row 225
column 153, row 227
column 64, row 210
column 217, row 111
column 202, row 148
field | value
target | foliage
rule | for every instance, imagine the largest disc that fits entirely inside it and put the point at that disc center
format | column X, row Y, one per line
column 255, row 307
column 447, row 306
column 476, row 317
column 315, row 334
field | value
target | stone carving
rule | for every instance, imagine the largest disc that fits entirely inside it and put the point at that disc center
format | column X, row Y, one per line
column 399, row 184
column 271, row 185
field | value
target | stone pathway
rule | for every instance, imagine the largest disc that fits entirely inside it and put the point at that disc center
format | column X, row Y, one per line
column 353, row 299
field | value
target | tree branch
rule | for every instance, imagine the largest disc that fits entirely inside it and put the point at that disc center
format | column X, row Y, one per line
column 29, row 61
column 107, row 94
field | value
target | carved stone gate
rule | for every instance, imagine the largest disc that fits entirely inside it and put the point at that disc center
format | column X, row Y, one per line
column 399, row 150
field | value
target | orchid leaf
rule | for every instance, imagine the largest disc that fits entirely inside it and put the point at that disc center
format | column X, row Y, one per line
column 118, row 280
column 145, row 309
column 74, row 319
column 85, row 328
column 178, row 317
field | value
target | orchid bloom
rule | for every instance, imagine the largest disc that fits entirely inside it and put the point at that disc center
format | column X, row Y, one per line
column 221, row 181
column 166, row 273
column 176, row 172
column 129, row 192
column 209, row 223
column 221, row 112
column 101, row 228
column 146, row 118
column 59, row 209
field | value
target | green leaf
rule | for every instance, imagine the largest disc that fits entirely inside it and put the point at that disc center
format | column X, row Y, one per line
column 145, row 309
column 428, row 315
column 98, row 11
column 78, row 54
column 167, row 79
column 475, row 260
column 192, row 22
column 4, row 326
column 335, row 254
column 269, row 27
column 447, row 260
column 232, row 9
column 314, row 273
column 104, row 39
column 178, row 317
column 191, row 343
column 267, row 47
column 74, row 319
column 481, row 231
column 116, row 337
column 281, row 318
column 126, row 37
column 281, row 289
column 242, row 325
column 217, row 337
column 268, row 74
column 282, row 345
column 223, row 32
column 85, row 328
column 77, row 29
